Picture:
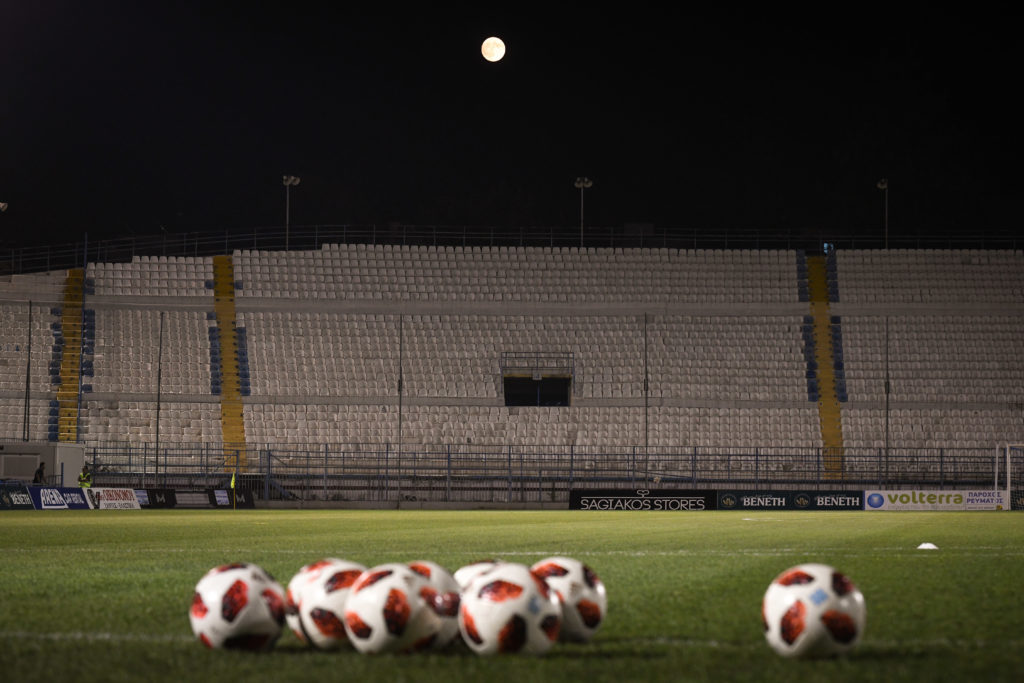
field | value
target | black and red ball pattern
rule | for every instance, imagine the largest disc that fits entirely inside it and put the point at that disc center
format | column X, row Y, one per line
column 421, row 569
column 795, row 577
column 358, row 627
column 840, row 626
column 470, row 625
column 512, row 637
column 793, row 622
column 550, row 569
column 841, row 584
column 275, row 604
column 328, row 623
column 368, row 578
column 551, row 625
column 342, row 579
column 590, row 576
column 199, row 608
column 234, row 601
column 443, row 604
column 590, row 613
column 500, row 590
column 397, row 612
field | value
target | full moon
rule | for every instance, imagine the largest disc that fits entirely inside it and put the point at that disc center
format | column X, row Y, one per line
column 493, row 49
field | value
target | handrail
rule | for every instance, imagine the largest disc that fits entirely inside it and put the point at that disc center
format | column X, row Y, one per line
column 42, row 258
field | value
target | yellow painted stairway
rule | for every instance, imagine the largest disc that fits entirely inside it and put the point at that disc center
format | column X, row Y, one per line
column 829, row 417
column 232, row 423
column 71, row 355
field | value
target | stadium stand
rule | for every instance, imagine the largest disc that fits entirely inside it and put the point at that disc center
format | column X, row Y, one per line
column 931, row 276
column 128, row 349
column 669, row 349
column 174, row 276
column 518, row 274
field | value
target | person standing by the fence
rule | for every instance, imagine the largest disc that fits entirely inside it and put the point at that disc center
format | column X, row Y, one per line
column 40, row 476
column 85, row 478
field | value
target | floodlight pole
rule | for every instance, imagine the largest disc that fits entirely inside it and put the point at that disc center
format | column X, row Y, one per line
column 582, row 183
column 401, row 393
column 288, row 181
column 883, row 185
column 888, row 391
column 647, row 394
column 159, row 382
column 28, row 376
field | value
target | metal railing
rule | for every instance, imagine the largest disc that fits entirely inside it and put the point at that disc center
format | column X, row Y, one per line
column 28, row 259
column 537, row 364
column 452, row 473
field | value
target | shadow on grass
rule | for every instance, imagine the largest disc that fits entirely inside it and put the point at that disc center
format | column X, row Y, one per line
column 895, row 652
column 616, row 648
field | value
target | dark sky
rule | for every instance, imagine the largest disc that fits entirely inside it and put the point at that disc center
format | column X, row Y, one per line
column 117, row 118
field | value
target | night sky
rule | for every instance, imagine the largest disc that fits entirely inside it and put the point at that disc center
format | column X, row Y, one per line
column 128, row 118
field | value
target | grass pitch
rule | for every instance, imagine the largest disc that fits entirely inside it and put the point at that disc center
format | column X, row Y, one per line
column 104, row 595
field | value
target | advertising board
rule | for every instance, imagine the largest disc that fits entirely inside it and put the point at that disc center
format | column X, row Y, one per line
column 58, row 498
column 649, row 500
column 790, row 500
column 221, row 498
column 155, row 498
column 101, row 498
column 15, row 497
column 929, row 499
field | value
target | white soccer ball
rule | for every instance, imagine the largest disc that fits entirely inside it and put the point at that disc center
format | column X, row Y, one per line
column 583, row 596
column 297, row 586
column 386, row 611
column 463, row 575
column 444, row 599
column 812, row 610
column 321, row 607
column 509, row 609
column 237, row 606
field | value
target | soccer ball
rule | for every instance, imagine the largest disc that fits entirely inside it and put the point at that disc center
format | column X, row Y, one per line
column 303, row 579
column 237, row 606
column 509, row 609
column 582, row 594
column 812, row 610
column 463, row 575
column 390, row 609
column 321, row 606
column 444, row 599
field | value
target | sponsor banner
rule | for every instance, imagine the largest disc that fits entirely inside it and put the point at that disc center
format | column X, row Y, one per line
column 221, row 498
column 58, row 498
column 211, row 498
column 155, row 498
column 790, row 500
column 925, row 499
column 653, row 500
column 15, row 497
column 192, row 499
column 244, row 498
column 112, row 499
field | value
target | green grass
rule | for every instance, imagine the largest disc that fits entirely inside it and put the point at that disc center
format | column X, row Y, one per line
column 104, row 595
